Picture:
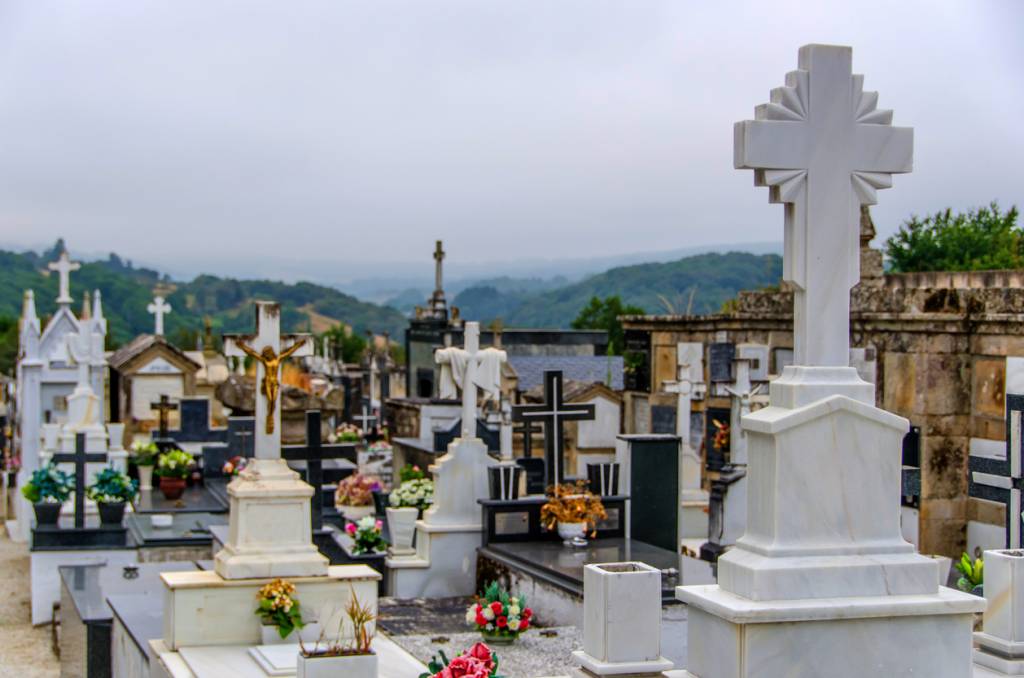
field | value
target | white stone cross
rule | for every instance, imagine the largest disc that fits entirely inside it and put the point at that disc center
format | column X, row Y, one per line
column 822, row 147
column 684, row 393
column 64, row 266
column 159, row 308
column 742, row 392
column 265, row 347
column 472, row 354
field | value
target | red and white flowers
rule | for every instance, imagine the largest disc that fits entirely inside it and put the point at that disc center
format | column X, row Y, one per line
column 496, row 613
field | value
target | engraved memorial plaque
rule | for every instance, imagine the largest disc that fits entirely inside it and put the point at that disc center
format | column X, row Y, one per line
column 510, row 523
column 612, row 521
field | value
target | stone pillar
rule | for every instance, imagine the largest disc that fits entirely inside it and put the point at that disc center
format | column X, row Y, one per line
column 1001, row 642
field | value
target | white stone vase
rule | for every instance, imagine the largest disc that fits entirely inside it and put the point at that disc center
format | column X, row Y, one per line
column 145, row 478
column 354, row 513
column 354, row 666
column 402, row 529
column 621, row 620
column 573, row 534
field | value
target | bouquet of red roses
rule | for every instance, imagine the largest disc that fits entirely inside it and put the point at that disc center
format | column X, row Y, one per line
column 477, row 662
column 499, row 615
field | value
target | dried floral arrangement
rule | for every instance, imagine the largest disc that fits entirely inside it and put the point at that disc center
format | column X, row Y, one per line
column 572, row 504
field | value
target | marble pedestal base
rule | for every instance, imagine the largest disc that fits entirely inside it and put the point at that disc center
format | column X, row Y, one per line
column 444, row 566
column 270, row 530
column 1002, row 657
column 695, row 516
column 891, row 636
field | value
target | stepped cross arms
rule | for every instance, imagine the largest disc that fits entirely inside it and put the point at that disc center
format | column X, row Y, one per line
column 823, row 148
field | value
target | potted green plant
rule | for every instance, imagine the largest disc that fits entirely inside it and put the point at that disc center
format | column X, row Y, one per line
column 972, row 575
column 48, row 488
column 407, row 504
column 280, row 615
column 353, row 660
column 349, row 433
column 144, row 457
column 354, row 496
column 173, row 468
column 111, row 490
column 499, row 616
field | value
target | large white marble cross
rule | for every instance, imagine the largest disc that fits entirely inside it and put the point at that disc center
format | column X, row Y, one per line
column 159, row 308
column 265, row 348
column 823, row 148
column 64, row 266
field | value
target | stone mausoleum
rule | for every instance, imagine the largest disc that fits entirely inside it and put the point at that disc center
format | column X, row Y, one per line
column 942, row 348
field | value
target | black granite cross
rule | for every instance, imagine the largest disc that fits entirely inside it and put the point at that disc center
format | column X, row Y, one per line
column 553, row 413
column 526, row 429
column 164, row 406
column 79, row 458
column 1000, row 479
column 313, row 453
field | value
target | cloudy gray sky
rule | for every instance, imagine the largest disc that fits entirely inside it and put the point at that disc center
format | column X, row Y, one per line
column 249, row 137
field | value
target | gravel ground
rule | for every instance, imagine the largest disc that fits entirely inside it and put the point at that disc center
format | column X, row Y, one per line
column 24, row 650
column 538, row 652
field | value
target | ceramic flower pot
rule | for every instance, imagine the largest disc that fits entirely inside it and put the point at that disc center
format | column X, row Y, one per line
column 111, row 513
column 47, row 513
column 172, row 488
column 573, row 534
column 354, row 666
column 145, row 477
column 354, row 513
column 402, row 527
column 497, row 638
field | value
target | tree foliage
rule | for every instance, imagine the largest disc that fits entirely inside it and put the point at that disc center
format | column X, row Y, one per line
column 345, row 343
column 603, row 314
column 978, row 240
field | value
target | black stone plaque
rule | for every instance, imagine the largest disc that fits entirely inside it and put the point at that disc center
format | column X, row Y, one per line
column 654, row 489
column 663, row 419
column 511, row 523
column 720, row 357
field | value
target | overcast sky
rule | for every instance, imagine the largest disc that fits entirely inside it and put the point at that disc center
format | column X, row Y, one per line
column 184, row 134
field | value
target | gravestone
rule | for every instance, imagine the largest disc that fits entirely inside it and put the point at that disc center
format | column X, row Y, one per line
column 164, row 407
column 999, row 479
column 490, row 435
column 720, row 357
column 194, row 423
column 651, row 477
column 313, row 454
column 553, row 413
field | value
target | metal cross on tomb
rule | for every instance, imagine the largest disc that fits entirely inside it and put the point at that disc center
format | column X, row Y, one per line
column 823, row 148
column 164, row 406
column 313, row 453
column 64, row 266
column 1000, row 480
column 553, row 413
column 268, row 347
column 80, row 458
column 159, row 308
column 366, row 419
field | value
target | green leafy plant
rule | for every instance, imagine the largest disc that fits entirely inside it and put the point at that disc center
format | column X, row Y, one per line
column 417, row 494
column 973, row 573
column 111, row 486
column 144, row 454
column 279, row 607
column 174, row 464
column 366, row 535
column 977, row 240
column 48, row 484
column 604, row 314
column 411, row 472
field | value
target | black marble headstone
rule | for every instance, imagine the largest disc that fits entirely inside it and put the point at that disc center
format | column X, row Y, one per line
column 654, row 489
column 535, row 475
column 194, row 426
column 663, row 419
column 238, row 442
column 720, row 357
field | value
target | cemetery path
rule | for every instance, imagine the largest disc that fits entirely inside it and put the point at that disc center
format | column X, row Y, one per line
column 25, row 650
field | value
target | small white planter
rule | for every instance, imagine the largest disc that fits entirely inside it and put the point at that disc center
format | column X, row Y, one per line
column 269, row 634
column 402, row 529
column 573, row 534
column 354, row 513
column 145, row 478
column 357, row 666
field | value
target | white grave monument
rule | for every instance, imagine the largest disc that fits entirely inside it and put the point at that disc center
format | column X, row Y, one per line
column 46, row 377
column 690, row 383
column 448, row 535
column 822, row 582
column 159, row 308
column 210, row 628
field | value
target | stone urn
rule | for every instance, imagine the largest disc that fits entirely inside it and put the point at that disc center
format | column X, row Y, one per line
column 145, row 477
column 111, row 513
column 47, row 512
column 573, row 534
column 402, row 529
column 172, row 488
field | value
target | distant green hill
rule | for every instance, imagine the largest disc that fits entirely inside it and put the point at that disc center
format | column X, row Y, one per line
column 128, row 290
column 698, row 284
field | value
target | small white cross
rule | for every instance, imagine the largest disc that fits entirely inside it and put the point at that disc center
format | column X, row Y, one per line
column 64, row 266
column 159, row 308
column 822, row 147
